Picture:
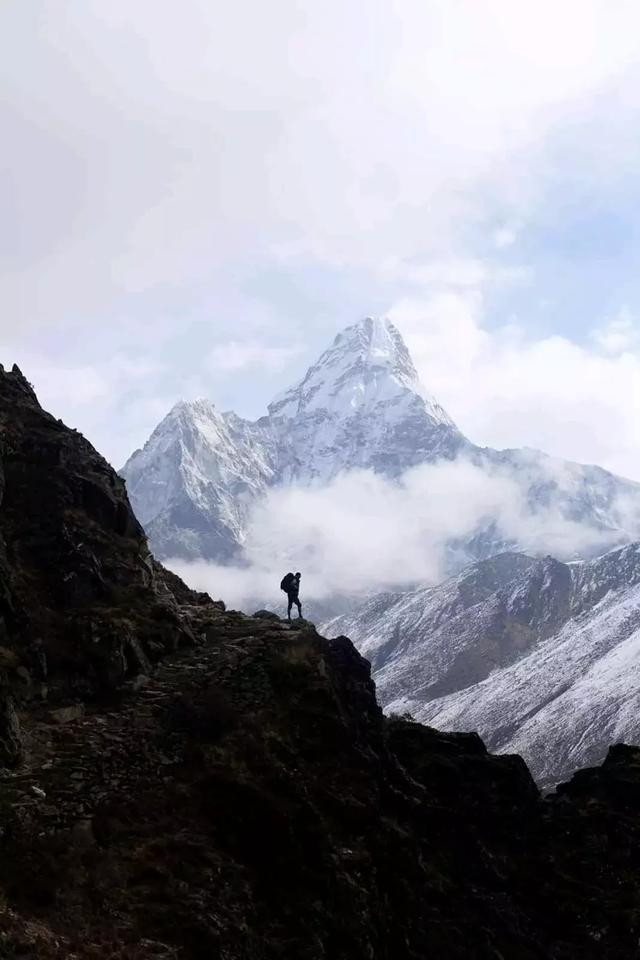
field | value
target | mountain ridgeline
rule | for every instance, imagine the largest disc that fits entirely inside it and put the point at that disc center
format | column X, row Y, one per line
column 361, row 405
column 538, row 656
column 182, row 782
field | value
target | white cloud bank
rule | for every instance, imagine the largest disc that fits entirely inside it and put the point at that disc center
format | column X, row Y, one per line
column 363, row 534
column 507, row 388
column 154, row 146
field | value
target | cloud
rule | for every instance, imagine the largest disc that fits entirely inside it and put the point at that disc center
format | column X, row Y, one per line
column 362, row 534
column 506, row 387
column 159, row 161
column 226, row 141
column 504, row 237
column 236, row 355
column 120, row 399
column 619, row 335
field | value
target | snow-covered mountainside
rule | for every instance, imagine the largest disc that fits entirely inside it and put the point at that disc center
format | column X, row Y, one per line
column 538, row 656
column 197, row 477
column 360, row 406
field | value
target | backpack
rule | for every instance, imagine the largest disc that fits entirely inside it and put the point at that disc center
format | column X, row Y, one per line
column 286, row 582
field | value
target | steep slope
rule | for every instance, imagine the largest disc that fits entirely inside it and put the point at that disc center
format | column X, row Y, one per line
column 243, row 796
column 538, row 656
column 437, row 640
column 360, row 406
column 83, row 605
column 197, row 477
column 592, row 509
column 251, row 802
column 568, row 699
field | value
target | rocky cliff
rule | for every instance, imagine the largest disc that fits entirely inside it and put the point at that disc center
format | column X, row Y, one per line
column 181, row 781
column 83, row 605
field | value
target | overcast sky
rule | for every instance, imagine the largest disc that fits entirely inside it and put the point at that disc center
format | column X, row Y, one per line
column 196, row 196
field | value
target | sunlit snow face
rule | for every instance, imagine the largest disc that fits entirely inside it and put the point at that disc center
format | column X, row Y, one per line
column 367, row 366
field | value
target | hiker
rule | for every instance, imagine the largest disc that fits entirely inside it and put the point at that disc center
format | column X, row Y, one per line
column 291, row 586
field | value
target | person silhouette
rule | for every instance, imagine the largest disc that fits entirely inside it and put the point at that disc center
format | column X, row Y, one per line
column 291, row 586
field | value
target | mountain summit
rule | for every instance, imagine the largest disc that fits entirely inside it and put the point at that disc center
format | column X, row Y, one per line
column 361, row 405
column 368, row 364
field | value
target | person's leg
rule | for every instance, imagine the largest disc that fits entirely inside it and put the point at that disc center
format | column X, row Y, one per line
column 299, row 605
column 289, row 607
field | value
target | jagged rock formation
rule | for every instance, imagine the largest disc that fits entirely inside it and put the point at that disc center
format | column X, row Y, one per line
column 537, row 655
column 83, row 605
column 243, row 797
column 361, row 405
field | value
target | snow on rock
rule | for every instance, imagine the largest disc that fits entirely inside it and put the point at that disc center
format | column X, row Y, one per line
column 367, row 365
column 196, row 478
column 540, row 658
column 361, row 405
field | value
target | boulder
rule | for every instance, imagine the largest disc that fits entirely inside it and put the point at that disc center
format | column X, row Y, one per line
column 266, row 615
column 68, row 714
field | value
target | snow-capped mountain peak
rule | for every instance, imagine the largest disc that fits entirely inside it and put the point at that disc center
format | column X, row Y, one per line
column 188, row 424
column 367, row 365
column 376, row 342
column 359, row 406
column 199, row 411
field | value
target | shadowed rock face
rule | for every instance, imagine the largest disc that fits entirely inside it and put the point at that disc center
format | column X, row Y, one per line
column 83, row 605
column 244, row 798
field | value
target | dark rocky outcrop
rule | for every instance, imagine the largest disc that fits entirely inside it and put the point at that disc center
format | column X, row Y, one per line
column 190, row 782
column 83, row 605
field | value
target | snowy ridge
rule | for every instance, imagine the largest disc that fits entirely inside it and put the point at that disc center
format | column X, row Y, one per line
column 564, row 704
column 196, row 477
column 360, row 406
column 367, row 365
column 540, row 657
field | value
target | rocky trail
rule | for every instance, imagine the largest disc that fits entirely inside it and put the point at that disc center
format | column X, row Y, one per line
column 76, row 755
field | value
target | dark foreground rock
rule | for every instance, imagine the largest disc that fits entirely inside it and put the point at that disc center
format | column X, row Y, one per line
column 83, row 605
column 189, row 782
